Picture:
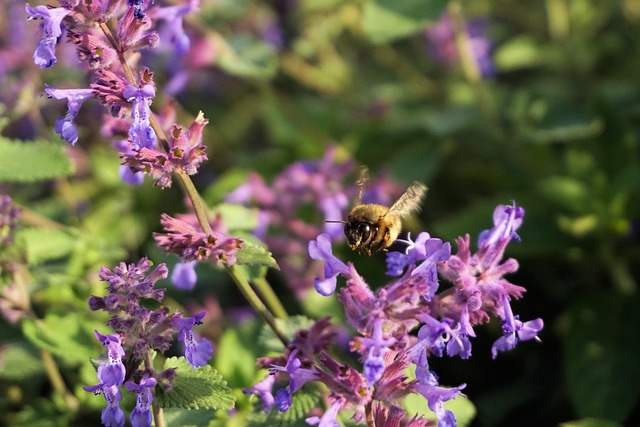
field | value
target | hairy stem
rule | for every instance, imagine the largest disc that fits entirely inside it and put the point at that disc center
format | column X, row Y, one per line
column 158, row 414
column 270, row 298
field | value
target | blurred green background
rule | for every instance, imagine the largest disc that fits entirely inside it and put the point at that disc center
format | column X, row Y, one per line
column 553, row 124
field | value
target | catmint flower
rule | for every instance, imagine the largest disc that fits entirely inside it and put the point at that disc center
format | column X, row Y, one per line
column 65, row 127
column 328, row 419
column 113, row 371
column 174, row 30
column 320, row 249
column 436, row 396
column 126, row 174
column 184, row 275
column 492, row 242
column 45, row 54
column 442, row 44
column 141, row 132
column 141, row 414
column 264, row 390
column 298, row 376
column 513, row 330
column 132, row 29
column 191, row 244
column 197, row 352
column 91, row 49
column 378, row 347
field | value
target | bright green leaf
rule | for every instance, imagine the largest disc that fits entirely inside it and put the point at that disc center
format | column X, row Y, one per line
column 201, row 388
column 20, row 362
column 32, row 161
column 188, row 417
column 246, row 56
column 386, row 20
column 46, row 244
column 255, row 254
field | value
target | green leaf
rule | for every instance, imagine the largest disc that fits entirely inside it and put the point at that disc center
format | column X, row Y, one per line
column 246, row 56
column 288, row 327
column 602, row 349
column 20, row 362
column 591, row 422
column 517, row 53
column 201, row 388
column 237, row 217
column 32, row 161
column 69, row 337
column 236, row 354
column 255, row 254
column 386, row 20
column 188, row 417
column 302, row 401
column 46, row 244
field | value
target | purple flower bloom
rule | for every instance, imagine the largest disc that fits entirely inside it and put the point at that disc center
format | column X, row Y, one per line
column 513, row 330
column 113, row 371
column 436, row 396
column 45, row 55
column 141, row 414
column 141, row 132
column 328, row 419
column 297, row 378
column 378, row 347
column 112, row 415
column 184, row 275
column 264, row 390
column 65, row 127
column 198, row 352
column 320, row 249
column 174, row 30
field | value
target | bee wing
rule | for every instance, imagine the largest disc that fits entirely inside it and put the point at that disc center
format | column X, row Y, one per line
column 409, row 202
column 363, row 178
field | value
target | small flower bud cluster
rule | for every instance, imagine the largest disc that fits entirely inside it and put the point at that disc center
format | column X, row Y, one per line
column 385, row 319
column 139, row 330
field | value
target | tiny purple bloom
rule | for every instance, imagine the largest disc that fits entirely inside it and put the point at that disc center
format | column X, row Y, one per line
column 320, row 249
column 506, row 220
column 436, row 396
column 297, row 378
column 328, row 419
column 198, row 352
column 514, row 330
column 141, row 132
column 65, row 127
column 141, row 414
column 184, row 275
column 378, row 347
column 112, row 415
column 264, row 390
column 45, row 55
column 174, row 30
column 113, row 371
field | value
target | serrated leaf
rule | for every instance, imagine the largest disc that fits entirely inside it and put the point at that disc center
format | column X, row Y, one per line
column 288, row 327
column 20, row 362
column 45, row 244
column 32, row 161
column 302, row 401
column 201, row 388
column 254, row 254
column 68, row 337
column 386, row 20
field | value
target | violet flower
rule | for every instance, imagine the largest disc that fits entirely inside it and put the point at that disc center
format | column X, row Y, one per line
column 65, row 127
column 264, row 390
column 377, row 346
column 184, row 275
column 112, row 414
column 45, row 53
column 328, row 419
column 298, row 376
column 514, row 330
column 320, row 249
column 141, row 132
column 174, row 28
column 141, row 414
column 197, row 352
column 113, row 371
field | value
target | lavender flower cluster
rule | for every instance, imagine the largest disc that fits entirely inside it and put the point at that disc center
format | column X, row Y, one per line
column 138, row 330
column 385, row 319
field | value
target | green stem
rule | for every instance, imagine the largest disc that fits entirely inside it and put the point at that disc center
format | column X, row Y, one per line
column 158, row 414
column 53, row 373
column 256, row 302
column 270, row 298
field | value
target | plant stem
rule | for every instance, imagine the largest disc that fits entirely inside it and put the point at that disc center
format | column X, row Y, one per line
column 270, row 298
column 51, row 368
column 256, row 302
column 158, row 414
column 368, row 409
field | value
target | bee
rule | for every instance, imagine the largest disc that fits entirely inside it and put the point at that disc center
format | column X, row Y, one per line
column 371, row 227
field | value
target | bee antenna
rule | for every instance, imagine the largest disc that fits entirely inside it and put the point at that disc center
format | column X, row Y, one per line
column 337, row 221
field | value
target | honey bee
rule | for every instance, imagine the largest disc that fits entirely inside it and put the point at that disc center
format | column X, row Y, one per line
column 371, row 227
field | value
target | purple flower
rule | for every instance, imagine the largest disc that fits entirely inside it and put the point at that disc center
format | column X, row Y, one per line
column 112, row 415
column 436, row 396
column 184, row 275
column 65, row 127
column 141, row 414
column 513, row 330
column 297, row 378
column 45, row 55
column 264, row 390
column 320, row 249
column 141, row 132
column 328, row 419
column 113, row 371
column 174, row 30
column 198, row 352
column 378, row 347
